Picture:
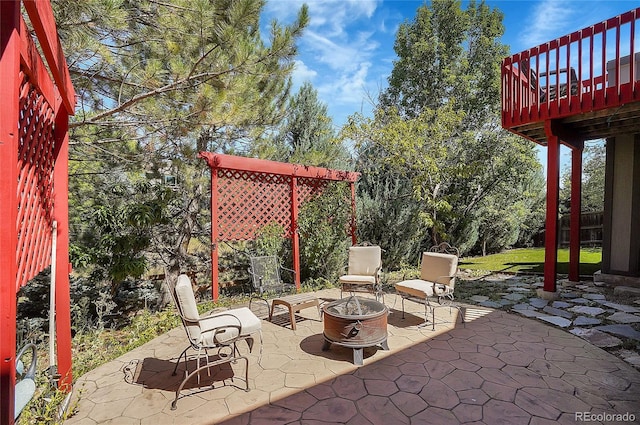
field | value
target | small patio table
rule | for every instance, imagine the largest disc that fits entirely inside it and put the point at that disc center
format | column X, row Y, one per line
column 295, row 303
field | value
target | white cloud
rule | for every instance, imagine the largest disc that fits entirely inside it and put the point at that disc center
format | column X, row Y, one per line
column 549, row 20
column 302, row 73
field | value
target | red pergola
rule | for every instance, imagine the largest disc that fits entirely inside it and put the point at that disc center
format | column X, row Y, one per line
column 248, row 193
column 33, row 182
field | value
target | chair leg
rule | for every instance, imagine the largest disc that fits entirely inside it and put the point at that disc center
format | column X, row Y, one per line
column 184, row 353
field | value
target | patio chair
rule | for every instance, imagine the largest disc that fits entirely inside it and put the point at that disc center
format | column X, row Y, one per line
column 220, row 332
column 266, row 278
column 436, row 282
column 560, row 89
column 364, row 270
column 25, row 379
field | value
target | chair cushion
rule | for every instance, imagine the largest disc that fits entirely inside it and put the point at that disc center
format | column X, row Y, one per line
column 186, row 299
column 438, row 267
column 416, row 288
column 244, row 317
column 364, row 260
column 24, row 391
column 358, row 279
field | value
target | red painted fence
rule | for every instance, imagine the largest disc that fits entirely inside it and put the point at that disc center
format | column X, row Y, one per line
column 33, row 182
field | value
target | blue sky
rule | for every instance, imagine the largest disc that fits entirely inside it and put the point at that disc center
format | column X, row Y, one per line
column 347, row 52
column 347, row 49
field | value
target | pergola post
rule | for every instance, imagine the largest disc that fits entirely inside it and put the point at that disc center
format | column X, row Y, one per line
column 576, row 209
column 61, row 215
column 215, row 284
column 551, row 225
column 295, row 238
column 9, row 95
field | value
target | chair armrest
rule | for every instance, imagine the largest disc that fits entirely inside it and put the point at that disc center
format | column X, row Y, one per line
column 448, row 279
column 289, row 270
column 377, row 274
column 31, row 371
column 221, row 327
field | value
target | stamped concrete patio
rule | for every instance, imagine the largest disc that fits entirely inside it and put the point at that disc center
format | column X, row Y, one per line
column 498, row 368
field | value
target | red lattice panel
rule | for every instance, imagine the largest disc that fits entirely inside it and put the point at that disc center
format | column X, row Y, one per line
column 310, row 188
column 35, row 183
column 248, row 201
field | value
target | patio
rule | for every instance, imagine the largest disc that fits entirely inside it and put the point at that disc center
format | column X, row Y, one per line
column 497, row 368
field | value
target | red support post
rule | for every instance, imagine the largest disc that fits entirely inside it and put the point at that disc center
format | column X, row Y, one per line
column 9, row 136
column 551, row 226
column 63, row 268
column 295, row 238
column 215, row 287
column 574, row 226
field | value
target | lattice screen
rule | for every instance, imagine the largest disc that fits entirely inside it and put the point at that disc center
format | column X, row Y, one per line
column 35, row 183
column 249, row 201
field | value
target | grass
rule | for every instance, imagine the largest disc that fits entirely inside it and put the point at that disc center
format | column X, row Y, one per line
column 531, row 260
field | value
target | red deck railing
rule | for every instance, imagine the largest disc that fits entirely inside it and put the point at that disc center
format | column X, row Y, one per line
column 587, row 70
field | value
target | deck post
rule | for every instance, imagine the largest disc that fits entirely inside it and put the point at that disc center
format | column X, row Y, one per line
column 576, row 209
column 551, row 226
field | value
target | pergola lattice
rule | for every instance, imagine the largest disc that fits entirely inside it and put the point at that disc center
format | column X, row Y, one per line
column 248, row 194
column 33, row 183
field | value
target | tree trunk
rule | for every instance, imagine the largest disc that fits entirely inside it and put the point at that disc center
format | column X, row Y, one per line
column 179, row 254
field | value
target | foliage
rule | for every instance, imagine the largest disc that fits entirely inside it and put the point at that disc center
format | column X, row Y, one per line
column 306, row 135
column 436, row 130
column 270, row 240
column 322, row 225
column 593, row 171
column 387, row 214
column 158, row 82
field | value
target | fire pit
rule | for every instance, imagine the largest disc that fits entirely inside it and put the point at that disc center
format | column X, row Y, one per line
column 356, row 323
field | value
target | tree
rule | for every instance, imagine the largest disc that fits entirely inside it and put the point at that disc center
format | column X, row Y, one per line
column 593, row 170
column 157, row 83
column 437, row 123
column 306, row 136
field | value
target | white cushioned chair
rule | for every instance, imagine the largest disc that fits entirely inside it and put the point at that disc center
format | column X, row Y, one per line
column 365, row 268
column 217, row 331
column 437, row 281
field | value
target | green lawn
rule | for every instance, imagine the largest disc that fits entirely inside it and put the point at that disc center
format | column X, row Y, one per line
column 531, row 260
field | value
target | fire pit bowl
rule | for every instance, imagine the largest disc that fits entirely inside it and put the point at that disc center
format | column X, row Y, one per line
column 355, row 322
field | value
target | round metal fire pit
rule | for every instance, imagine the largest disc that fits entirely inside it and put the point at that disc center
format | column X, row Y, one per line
column 356, row 323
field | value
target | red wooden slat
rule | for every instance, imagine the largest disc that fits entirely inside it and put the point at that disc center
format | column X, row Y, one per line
column 9, row 95
column 44, row 24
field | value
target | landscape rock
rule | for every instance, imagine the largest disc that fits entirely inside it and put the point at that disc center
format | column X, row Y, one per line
column 556, row 320
column 596, row 337
column 625, row 331
column 590, row 311
column 630, row 291
column 557, row 312
column 586, row 321
column 621, row 317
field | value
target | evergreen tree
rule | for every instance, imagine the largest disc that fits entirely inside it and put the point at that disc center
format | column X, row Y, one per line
column 157, row 83
column 306, row 135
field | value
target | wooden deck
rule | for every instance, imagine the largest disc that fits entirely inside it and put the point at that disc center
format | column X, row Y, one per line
column 580, row 82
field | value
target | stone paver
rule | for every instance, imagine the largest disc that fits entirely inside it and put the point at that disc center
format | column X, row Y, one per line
column 498, row 368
